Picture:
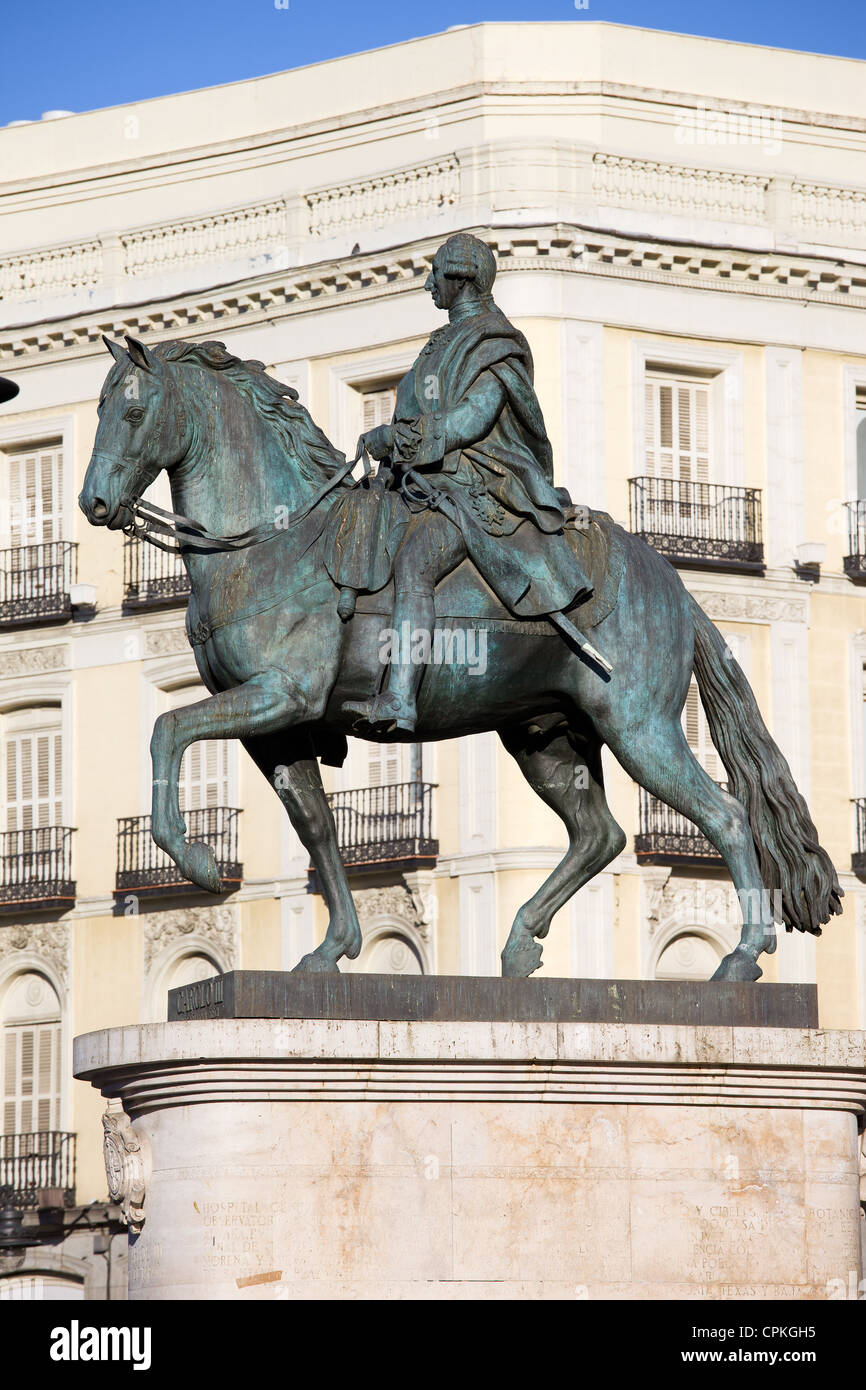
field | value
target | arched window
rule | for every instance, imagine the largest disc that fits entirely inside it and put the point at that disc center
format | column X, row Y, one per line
column 31, row 1056
column 689, row 956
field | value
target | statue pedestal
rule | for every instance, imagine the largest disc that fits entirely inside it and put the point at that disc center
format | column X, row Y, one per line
column 323, row 1158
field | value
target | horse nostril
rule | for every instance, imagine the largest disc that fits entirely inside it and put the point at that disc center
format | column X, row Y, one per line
column 98, row 507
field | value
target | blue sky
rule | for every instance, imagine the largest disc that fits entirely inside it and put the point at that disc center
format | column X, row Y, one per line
column 81, row 54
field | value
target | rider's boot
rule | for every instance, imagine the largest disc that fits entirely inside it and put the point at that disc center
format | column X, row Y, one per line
column 394, row 707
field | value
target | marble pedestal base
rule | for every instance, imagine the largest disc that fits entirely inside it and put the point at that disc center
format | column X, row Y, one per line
column 321, row 1159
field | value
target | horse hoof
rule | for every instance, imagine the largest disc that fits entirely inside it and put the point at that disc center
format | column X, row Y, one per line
column 738, row 966
column 200, row 867
column 314, row 964
column 519, row 962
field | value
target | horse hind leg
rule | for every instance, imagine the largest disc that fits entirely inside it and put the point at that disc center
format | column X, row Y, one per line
column 564, row 768
column 657, row 755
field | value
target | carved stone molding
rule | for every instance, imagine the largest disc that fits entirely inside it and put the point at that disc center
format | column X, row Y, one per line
column 47, row 941
column 692, row 902
column 32, row 661
column 124, row 1165
column 566, row 248
column 219, row 925
column 410, row 905
column 165, row 641
column 751, row 608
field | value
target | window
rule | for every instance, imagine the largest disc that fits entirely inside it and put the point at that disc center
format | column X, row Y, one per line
column 31, row 1056
column 678, row 423
column 35, row 494
column 33, row 772
column 378, row 407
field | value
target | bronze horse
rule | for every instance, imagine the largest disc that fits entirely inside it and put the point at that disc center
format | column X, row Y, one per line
column 248, row 463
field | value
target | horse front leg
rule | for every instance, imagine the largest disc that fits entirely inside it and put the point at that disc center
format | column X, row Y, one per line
column 293, row 771
column 260, row 706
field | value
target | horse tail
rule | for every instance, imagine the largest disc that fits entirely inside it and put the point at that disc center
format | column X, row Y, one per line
column 793, row 863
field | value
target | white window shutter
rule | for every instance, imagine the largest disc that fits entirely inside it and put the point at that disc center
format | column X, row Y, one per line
column 34, row 773
column 31, row 1100
column 678, row 427
column 36, row 495
column 378, row 407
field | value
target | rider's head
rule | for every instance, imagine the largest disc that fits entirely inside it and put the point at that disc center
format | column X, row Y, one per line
column 463, row 264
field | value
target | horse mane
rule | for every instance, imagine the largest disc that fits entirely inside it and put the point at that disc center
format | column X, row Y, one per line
column 272, row 400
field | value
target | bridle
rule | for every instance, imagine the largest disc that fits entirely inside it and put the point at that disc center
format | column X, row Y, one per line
column 174, row 533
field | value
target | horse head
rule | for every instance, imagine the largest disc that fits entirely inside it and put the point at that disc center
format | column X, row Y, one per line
column 198, row 405
column 142, row 430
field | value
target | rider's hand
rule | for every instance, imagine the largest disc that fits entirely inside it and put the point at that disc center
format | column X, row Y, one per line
column 378, row 442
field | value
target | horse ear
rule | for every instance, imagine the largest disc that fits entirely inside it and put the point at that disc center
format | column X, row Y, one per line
column 139, row 354
column 117, row 352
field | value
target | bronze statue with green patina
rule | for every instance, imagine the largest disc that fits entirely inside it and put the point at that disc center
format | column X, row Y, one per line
column 296, row 569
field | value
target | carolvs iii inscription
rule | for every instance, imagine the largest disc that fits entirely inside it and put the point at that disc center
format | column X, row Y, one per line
column 292, row 564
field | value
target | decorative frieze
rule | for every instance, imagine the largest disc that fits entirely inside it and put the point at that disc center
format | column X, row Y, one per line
column 679, row 189
column 419, row 191
column 238, row 234
column 50, row 271
column 219, row 926
column 165, row 641
column 50, row 942
column 33, row 661
column 751, row 608
column 564, row 249
column 829, row 212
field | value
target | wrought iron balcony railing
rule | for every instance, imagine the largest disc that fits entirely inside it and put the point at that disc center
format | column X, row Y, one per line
column 32, row 1163
column 855, row 561
column 858, row 855
column 705, row 525
column 35, row 583
column 667, row 837
column 152, row 578
column 36, row 869
column 386, row 827
column 143, row 868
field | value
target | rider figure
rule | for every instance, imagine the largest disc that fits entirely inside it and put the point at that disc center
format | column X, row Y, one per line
column 469, row 449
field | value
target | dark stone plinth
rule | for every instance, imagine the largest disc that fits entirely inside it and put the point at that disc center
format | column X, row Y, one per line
column 465, row 998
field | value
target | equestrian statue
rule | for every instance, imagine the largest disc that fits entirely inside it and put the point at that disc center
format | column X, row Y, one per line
column 297, row 569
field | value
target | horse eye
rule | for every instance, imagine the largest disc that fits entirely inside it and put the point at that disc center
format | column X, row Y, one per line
column 134, row 414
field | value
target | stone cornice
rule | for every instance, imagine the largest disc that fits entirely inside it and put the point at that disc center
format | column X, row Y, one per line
column 293, row 1059
column 558, row 248
column 288, row 142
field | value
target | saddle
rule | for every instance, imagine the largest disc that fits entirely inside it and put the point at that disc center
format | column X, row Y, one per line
column 364, row 530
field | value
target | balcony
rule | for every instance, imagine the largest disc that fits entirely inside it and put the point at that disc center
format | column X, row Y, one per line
column 667, row 837
column 35, row 869
column 146, row 870
column 33, row 1163
column 699, row 525
column 152, row 578
column 855, row 561
column 384, row 829
column 858, row 856
column 35, row 583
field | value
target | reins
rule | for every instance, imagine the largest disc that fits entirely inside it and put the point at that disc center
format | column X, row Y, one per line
column 180, row 533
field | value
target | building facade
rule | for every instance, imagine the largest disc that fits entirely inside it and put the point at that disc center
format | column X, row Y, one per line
column 680, row 229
